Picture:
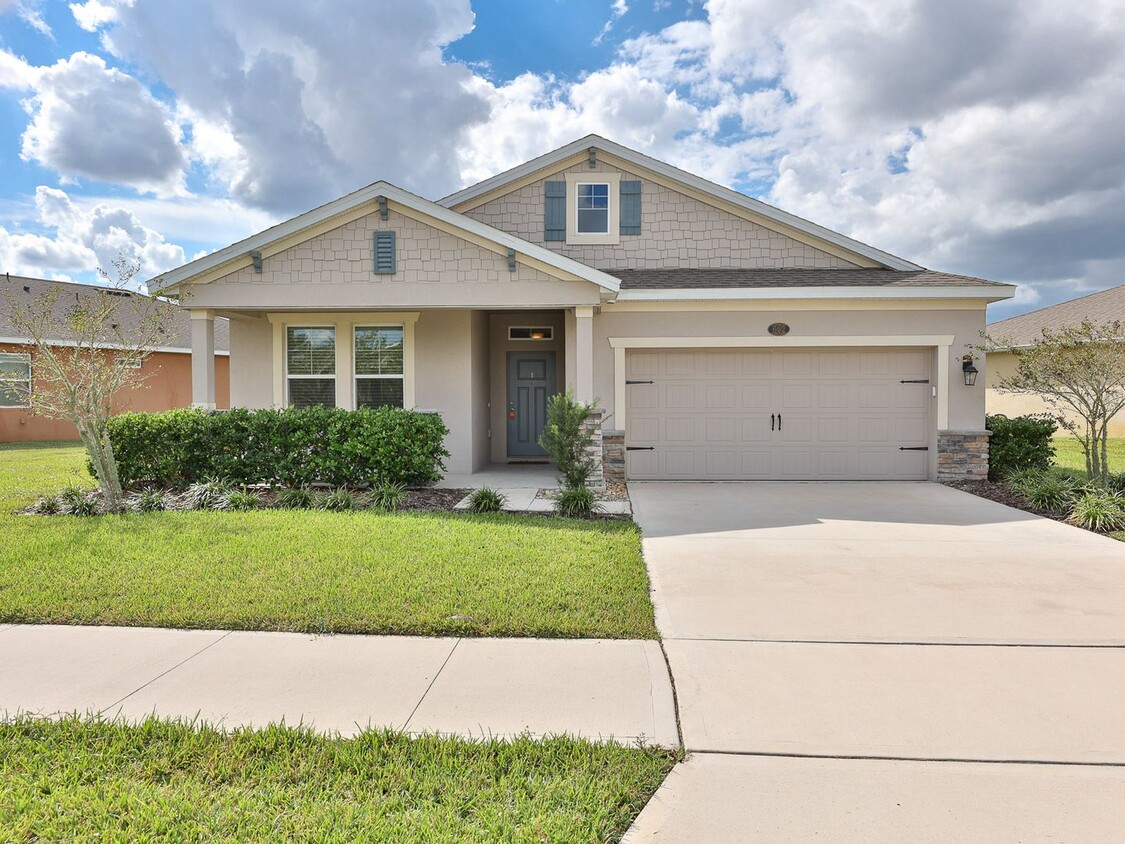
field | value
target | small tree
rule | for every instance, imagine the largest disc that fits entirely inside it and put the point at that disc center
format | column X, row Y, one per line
column 1080, row 374
column 567, row 439
column 84, row 356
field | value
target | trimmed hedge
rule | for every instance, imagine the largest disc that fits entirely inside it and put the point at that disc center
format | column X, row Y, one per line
column 292, row 447
column 1020, row 443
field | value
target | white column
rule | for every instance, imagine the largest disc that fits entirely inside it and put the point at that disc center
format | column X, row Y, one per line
column 584, row 353
column 203, row 358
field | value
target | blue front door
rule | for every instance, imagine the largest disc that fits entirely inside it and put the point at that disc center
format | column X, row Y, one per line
column 531, row 381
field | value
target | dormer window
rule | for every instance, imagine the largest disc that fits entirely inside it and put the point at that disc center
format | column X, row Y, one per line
column 593, row 208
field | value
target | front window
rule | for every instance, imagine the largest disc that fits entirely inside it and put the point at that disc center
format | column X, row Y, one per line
column 310, row 366
column 593, row 208
column 378, row 366
column 15, row 380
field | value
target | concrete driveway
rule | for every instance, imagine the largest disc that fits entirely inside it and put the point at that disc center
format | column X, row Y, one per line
column 904, row 660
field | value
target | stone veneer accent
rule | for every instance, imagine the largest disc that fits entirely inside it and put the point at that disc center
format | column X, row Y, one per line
column 962, row 454
column 594, row 426
column 613, row 456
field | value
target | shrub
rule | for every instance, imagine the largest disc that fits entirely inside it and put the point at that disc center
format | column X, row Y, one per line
column 1020, row 443
column 296, row 498
column 567, row 438
column 1099, row 509
column 149, row 501
column 1052, row 493
column 291, row 447
column 242, row 499
column 486, row 500
column 210, row 494
column 577, row 502
column 387, row 496
column 47, row 505
column 338, row 500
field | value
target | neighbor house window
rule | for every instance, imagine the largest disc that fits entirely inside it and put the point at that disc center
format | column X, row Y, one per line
column 15, row 380
column 593, row 208
column 310, row 366
column 378, row 366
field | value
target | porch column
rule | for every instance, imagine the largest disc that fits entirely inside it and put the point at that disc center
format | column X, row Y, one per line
column 584, row 353
column 203, row 358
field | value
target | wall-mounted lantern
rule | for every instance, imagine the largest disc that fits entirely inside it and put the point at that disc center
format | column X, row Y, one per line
column 969, row 371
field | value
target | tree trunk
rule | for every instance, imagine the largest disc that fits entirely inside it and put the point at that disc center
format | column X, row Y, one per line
column 100, row 452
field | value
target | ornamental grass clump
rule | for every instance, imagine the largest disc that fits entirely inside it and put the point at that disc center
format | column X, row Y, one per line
column 486, row 500
column 1052, row 493
column 75, row 501
column 387, row 497
column 47, row 505
column 149, row 501
column 577, row 502
column 339, row 500
column 243, row 499
column 210, row 494
column 295, row 498
column 1098, row 509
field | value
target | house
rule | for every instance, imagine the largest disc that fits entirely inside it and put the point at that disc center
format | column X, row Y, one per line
column 721, row 338
column 1100, row 308
column 166, row 371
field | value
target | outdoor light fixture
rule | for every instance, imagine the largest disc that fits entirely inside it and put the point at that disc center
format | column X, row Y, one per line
column 969, row 371
column 537, row 334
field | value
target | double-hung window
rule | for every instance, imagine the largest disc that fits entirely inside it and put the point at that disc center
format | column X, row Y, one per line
column 310, row 366
column 379, row 375
column 593, row 208
column 15, row 379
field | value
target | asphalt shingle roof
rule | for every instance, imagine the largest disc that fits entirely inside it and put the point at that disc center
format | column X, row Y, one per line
column 1105, row 306
column 178, row 334
column 666, row 279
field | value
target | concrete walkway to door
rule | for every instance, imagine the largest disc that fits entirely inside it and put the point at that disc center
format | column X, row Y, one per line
column 884, row 662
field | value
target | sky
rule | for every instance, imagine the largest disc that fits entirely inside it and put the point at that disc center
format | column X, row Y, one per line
column 984, row 137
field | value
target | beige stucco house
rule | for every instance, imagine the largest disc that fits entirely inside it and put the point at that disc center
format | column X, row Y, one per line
column 1104, row 307
column 723, row 338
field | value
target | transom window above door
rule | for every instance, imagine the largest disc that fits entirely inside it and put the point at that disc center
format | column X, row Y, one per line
column 520, row 332
column 379, row 374
column 593, row 208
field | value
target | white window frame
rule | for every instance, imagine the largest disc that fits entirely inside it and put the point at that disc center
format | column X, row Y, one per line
column 286, row 376
column 612, row 181
column 356, row 376
column 548, row 335
column 26, row 357
column 342, row 321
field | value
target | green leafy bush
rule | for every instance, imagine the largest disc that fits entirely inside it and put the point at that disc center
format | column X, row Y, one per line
column 1020, row 443
column 291, row 447
column 567, row 438
column 387, row 496
column 296, row 498
column 1099, row 509
column 486, row 500
column 577, row 502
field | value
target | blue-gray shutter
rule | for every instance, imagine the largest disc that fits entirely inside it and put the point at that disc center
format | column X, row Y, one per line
column 630, row 208
column 554, row 211
column 385, row 252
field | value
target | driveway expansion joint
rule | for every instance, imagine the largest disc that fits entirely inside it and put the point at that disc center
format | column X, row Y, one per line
column 937, row 759
column 417, row 706
column 767, row 641
column 168, row 671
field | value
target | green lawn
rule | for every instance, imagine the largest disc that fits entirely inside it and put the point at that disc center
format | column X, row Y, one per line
column 1069, row 454
column 77, row 780
column 358, row 572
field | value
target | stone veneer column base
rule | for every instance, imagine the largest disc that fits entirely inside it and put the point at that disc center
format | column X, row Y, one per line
column 594, row 425
column 613, row 456
column 962, row 454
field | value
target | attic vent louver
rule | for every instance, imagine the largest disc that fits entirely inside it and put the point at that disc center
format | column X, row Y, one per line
column 384, row 248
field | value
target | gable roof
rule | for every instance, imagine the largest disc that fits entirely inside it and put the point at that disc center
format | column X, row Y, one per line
column 238, row 254
column 755, row 206
column 177, row 335
column 1102, row 307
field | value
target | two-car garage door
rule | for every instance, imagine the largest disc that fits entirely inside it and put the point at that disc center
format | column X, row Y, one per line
column 794, row 414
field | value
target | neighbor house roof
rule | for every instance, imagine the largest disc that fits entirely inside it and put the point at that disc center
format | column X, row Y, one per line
column 237, row 254
column 1102, row 307
column 756, row 206
column 177, row 334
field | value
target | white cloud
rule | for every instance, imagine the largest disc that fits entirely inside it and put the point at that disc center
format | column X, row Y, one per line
column 82, row 239
column 617, row 10
column 27, row 11
column 89, row 120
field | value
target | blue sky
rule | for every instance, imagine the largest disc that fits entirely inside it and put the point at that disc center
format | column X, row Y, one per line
column 939, row 130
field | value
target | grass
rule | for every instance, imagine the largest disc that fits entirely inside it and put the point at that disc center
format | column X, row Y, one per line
column 1069, row 454
column 87, row 780
column 354, row 572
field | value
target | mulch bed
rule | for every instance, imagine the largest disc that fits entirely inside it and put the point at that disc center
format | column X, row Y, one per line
column 1001, row 494
column 430, row 498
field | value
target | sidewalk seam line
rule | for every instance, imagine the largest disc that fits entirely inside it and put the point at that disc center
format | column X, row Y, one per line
column 1078, row 646
column 169, row 670
column 942, row 759
column 445, row 662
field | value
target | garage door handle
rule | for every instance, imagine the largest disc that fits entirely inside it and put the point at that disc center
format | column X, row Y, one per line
column 779, row 421
column 913, row 448
column 772, row 420
column 640, row 448
column 639, row 382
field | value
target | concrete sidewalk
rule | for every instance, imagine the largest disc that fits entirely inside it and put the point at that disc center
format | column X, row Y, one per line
column 596, row 689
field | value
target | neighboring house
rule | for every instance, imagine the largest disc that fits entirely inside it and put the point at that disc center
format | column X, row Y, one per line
column 167, row 369
column 725, row 339
column 1100, row 308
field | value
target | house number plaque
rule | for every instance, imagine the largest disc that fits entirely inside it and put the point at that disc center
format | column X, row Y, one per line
column 778, row 329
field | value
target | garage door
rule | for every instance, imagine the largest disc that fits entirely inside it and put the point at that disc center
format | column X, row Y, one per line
column 756, row 414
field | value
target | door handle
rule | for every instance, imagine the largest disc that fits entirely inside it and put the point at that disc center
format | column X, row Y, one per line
column 779, row 421
column 772, row 420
